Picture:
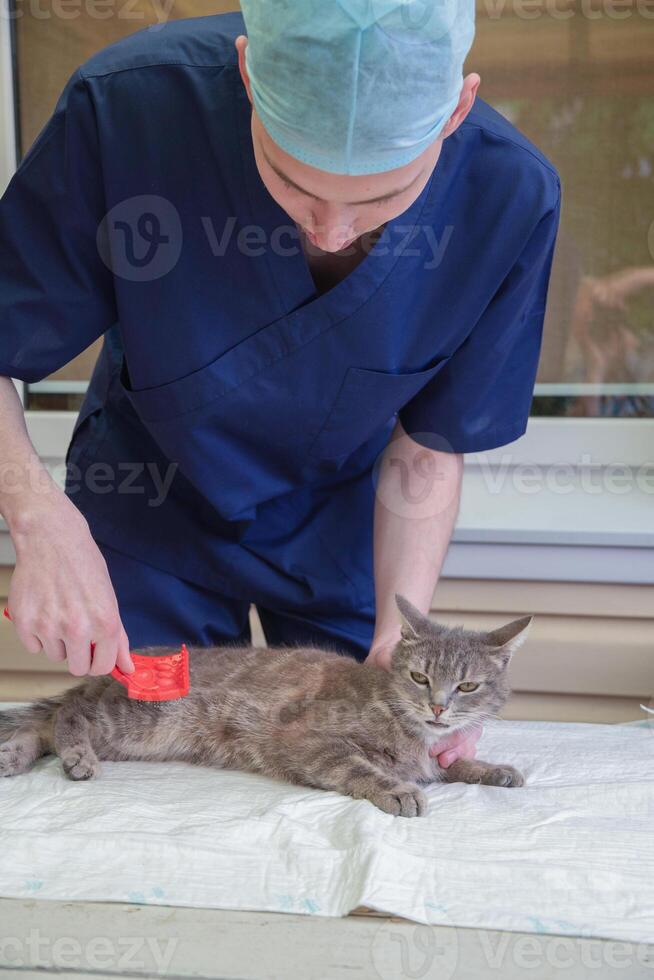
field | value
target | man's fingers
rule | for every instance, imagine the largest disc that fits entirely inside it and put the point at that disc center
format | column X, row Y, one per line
column 456, row 746
column 76, row 647
column 450, row 742
column 124, row 661
column 54, row 649
column 380, row 657
column 25, row 631
column 78, row 655
column 104, row 656
column 78, row 650
column 466, row 750
column 29, row 640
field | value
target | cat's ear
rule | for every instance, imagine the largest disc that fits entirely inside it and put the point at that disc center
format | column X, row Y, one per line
column 414, row 624
column 507, row 639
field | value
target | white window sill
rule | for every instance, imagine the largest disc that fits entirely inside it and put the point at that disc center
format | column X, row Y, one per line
column 573, row 500
column 587, row 513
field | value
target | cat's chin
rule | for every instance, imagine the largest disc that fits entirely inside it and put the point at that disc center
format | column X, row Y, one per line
column 433, row 732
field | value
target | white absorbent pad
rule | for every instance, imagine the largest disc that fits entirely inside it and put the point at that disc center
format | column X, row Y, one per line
column 572, row 852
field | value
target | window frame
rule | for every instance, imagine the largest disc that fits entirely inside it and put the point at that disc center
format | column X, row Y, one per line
column 492, row 548
column 8, row 134
column 8, row 126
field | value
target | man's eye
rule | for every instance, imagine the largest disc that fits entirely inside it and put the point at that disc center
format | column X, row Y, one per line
column 292, row 188
column 467, row 686
column 419, row 678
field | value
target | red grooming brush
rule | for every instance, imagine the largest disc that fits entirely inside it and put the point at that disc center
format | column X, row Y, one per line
column 162, row 678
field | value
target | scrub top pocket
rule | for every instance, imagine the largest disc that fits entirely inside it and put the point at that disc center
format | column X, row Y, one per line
column 365, row 402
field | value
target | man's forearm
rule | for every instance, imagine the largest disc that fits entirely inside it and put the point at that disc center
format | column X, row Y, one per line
column 25, row 485
column 417, row 503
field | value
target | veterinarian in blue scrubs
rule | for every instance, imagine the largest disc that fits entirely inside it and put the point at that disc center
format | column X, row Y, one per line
column 320, row 268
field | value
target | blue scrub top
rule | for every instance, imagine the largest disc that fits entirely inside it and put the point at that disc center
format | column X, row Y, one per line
column 139, row 214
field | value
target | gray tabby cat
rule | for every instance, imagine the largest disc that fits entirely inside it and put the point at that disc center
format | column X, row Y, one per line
column 308, row 716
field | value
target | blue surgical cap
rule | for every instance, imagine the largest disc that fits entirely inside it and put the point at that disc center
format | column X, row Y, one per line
column 356, row 86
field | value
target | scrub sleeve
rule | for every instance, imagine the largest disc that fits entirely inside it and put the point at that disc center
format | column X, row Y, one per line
column 56, row 294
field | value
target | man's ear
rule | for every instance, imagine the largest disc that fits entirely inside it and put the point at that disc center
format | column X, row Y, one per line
column 414, row 624
column 507, row 639
column 241, row 47
column 465, row 104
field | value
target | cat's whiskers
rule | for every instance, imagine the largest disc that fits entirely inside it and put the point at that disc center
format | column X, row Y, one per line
column 406, row 707
column 478, row 719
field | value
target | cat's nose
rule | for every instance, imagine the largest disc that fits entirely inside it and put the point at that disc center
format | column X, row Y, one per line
column 437, row 709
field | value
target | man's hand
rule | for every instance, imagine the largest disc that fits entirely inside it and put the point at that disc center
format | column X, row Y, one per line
column 459, row 745
column 380, row 654
column 61, row 598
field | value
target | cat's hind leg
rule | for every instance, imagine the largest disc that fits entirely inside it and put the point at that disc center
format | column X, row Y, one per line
column 19, row 753
column 24, row 737
column 73, row 743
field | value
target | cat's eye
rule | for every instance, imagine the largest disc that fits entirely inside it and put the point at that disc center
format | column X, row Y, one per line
column 419, row 678
column 467, row 686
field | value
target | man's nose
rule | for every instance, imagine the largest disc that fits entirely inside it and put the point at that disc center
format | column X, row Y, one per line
column 333, row 225
column 438, row 708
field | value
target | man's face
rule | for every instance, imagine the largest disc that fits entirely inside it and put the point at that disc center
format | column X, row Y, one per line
column 335, row 210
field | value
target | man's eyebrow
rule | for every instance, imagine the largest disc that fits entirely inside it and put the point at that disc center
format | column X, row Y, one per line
column 370, row 200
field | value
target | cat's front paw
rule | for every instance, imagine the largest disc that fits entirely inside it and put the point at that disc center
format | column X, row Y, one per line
column 485, row 773
column 403, row 800
column 503, row 776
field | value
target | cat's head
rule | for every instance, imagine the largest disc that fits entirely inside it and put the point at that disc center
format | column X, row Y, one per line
column 447, row 677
